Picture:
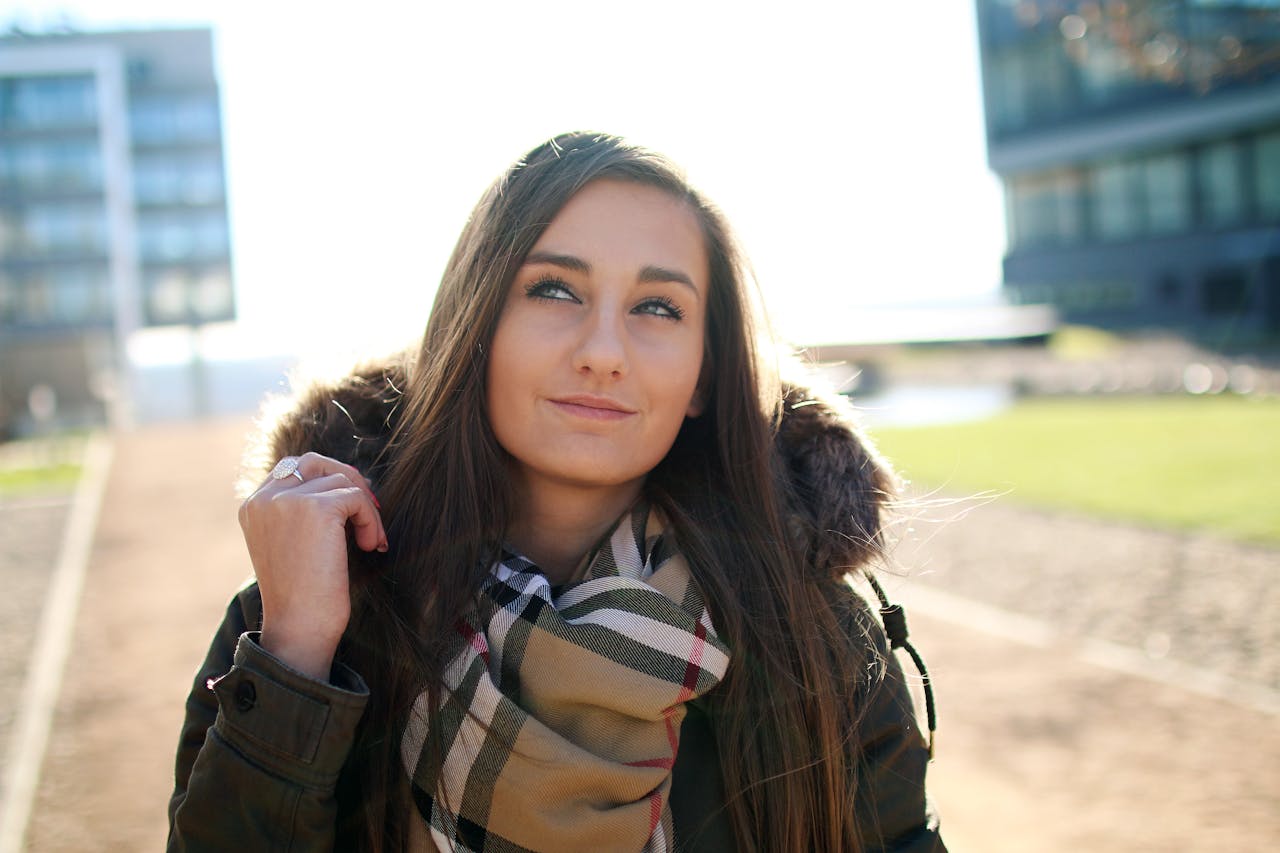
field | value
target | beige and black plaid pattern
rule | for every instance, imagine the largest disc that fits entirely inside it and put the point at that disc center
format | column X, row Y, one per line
column 561, row 713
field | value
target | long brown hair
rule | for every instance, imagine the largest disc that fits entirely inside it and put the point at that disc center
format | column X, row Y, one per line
column 784, row 713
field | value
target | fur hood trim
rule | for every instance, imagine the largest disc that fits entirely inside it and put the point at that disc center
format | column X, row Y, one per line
column 840, row 483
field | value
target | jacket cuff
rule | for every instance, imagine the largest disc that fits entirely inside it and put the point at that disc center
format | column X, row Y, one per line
column 293, row 725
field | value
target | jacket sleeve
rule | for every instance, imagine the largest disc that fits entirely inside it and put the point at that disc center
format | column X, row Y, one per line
column 891, row 807
column 261, row 747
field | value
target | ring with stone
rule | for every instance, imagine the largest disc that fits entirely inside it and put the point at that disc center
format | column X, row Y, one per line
column 286, row 467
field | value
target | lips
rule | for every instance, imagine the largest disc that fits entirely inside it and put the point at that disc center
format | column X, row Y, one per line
column 592, row 407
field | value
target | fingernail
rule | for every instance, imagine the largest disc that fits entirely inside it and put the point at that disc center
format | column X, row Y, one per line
column 382, row 546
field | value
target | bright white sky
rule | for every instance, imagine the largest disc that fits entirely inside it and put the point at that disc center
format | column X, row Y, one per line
column 844, row 140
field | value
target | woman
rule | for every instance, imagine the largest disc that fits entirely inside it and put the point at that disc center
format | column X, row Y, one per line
column 585, row 552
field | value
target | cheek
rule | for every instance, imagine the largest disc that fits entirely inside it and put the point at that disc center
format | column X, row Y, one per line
column 676, row 377
column 502, row 377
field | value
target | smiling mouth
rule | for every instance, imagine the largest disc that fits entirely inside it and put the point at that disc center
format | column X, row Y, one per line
column 592, row 408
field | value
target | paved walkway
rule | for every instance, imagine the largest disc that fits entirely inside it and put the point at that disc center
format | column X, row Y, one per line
column 30, row 532
column 1039, row 749
column 166, row 558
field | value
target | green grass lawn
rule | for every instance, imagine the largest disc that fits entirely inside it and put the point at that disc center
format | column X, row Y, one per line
column 28, row 481
column 1200, row 462
column 39, row 466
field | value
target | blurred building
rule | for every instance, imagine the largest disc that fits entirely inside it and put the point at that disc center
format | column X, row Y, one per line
column 113, row 211
column 1139, row 147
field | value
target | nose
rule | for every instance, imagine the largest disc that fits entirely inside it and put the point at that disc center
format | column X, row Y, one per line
column 602, row 347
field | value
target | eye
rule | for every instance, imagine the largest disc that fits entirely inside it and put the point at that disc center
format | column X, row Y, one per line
column 550, row 289
column 660, row 306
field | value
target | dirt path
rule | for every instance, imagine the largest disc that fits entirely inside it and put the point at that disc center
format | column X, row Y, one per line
column 1037, row 750
column 166, row 559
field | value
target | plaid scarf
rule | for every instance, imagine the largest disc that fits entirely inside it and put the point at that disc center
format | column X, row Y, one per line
column 561, row 713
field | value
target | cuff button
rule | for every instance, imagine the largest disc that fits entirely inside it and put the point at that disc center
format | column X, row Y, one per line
column 246, row 696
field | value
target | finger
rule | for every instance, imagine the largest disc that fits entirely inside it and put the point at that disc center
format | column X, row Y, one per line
column 337, row 485
column 361, row 515
column 328, row 465
column 312, row 465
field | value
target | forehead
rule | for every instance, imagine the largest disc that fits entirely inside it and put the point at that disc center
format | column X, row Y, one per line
column 626, row 222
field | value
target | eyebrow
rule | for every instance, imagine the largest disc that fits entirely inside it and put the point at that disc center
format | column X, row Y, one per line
column 649, row 273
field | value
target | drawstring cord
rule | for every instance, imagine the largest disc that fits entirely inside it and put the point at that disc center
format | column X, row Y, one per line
column 895, row 628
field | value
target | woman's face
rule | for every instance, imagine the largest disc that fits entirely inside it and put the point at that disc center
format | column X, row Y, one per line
column 598, row 350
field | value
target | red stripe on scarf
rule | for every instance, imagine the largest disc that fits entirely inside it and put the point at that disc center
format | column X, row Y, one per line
column 694, row 666
column 655, row 812
column 474, row 638
column 664, row 763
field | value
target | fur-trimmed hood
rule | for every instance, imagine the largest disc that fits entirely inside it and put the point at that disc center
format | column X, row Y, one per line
column 841, row 484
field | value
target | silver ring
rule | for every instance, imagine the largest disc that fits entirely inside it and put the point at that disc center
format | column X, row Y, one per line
column 286, row 467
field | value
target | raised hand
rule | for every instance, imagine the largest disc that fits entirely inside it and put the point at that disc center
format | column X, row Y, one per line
column 295, row 526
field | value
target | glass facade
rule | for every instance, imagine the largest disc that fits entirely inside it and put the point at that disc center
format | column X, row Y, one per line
column 173, row 119
column 1166, row 192
column 1115, row 199
column 1106, row 295
column 177, row 178
column 63, row 295
column 1266, row 160
column 1045, row 209
column 58, row 228
column 1217, row 184
column 1221, row 183
column 55, row 243
column 1048, row 62
column 187, row 295
column 181, row 235
column 48, row 102
column 61, row 165
column 1139, row 146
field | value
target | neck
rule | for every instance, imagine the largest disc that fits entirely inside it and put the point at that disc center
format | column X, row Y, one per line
column 556, row 524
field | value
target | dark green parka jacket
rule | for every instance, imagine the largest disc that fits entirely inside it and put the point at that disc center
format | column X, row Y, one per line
column 262, row 746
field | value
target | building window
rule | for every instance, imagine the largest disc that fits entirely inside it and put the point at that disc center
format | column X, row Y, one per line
column 1225, row 292
column 79, row 295
column 1035, row 212
column 157, row 120
column 212, row 296
column 183, row 295
column 54, row 228
column 1220, row 184
column 1044, row 209
column 177, row 179
column 1116, row 190
column 166, row 297
column 53, row 102
column 1266, row 160
column 1166, row 189
column 34, row 304
column 60, row 165
column 1007, row 89
column 181, row 235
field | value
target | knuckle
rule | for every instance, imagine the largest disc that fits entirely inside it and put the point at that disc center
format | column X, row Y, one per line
column 281, row 501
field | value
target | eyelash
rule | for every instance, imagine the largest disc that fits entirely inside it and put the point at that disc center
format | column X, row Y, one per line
column 675, row 312
column 540, row 289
